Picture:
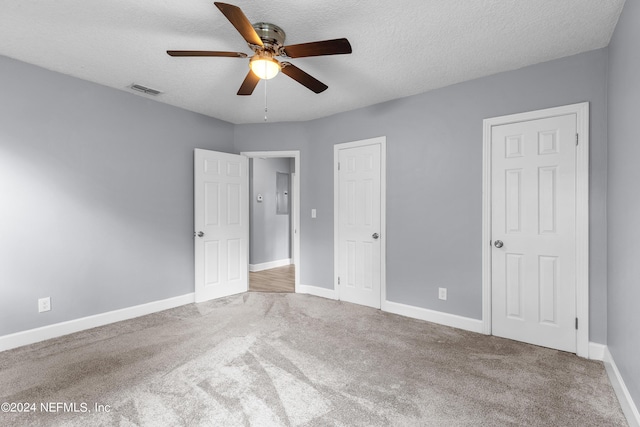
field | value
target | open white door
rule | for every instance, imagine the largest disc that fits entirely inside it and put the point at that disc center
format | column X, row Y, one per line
column 221, row 193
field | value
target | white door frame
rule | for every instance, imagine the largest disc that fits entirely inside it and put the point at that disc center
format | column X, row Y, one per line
column 382, row 141
column 294, row 220
column 581, row 111
column 295, row 205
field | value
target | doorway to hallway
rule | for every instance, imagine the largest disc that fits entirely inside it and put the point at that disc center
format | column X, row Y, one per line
column 274, row 239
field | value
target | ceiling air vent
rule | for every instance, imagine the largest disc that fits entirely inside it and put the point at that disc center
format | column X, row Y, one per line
column 145, row 89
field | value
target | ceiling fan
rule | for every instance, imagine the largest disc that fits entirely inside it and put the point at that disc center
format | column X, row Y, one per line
column 267, row 41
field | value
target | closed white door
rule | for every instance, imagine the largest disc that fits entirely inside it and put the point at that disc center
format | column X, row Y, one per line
column 221, row 186
column 533, row 275
column 359, row 234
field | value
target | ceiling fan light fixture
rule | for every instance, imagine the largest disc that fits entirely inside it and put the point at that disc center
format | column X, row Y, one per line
column 264, row 66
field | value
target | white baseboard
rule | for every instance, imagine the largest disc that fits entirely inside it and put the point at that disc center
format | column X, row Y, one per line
column 460, row 322
column 626, row 402
column 596, row 351
column 317, row 291
column 31, row 336
column 270, row 264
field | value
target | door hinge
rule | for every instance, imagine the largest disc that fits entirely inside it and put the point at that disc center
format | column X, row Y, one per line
column 338, row 165
column 577, row 138
column 576, row 323
column 338, row 280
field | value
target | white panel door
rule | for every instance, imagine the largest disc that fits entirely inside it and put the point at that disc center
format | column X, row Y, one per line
column 359, row 224
column 221, row 186
column 533, row 231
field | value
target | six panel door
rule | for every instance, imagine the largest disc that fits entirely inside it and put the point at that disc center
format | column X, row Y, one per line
column 359, row 244
column 533, row 230
column 221, row 224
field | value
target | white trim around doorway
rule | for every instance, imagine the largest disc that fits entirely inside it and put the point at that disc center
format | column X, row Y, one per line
column 581, row 111
column 295, row 208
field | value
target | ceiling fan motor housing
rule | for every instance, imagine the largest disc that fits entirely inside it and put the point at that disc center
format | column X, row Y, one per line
column 271, row 35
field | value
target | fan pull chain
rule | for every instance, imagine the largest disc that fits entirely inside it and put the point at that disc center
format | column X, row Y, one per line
column 265, row 97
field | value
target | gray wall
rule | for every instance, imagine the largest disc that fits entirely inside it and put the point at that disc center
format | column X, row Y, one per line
column 117, row 226
column 434, row 179
column 624, row 198
column 96, row 190
column 269, row 232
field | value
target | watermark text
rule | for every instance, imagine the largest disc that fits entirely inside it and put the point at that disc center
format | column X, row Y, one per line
column 54, row 407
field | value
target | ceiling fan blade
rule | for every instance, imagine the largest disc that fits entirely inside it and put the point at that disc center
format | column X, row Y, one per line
column 249, row 84
column 206, row 53
column 303, row 78
column 326, row 47
column 235, row 15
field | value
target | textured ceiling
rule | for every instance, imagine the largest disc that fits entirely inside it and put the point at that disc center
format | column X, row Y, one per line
column 400, row 48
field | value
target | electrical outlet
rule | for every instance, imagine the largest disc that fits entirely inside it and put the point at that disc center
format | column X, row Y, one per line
column 313, row 213
column 442, row 293
column 44, row 304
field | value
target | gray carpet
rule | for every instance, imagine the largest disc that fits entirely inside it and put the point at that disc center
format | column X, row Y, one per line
column 260, row 359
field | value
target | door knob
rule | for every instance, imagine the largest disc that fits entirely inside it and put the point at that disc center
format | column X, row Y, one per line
column 375, row 235
column 200, row 234
column 499, row 243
